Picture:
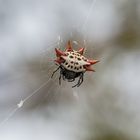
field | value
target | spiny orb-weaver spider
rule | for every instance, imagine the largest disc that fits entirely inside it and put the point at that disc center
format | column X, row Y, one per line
column 72, row 64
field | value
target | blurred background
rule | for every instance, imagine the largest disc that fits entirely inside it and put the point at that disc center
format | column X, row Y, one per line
column 105, row 106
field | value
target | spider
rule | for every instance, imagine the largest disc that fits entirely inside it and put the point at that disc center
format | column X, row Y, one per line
column 72, row 64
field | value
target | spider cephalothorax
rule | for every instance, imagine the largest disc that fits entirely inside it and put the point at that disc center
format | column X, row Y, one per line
column 72, row 64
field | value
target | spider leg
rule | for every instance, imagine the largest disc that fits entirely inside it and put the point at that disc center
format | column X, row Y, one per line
column 63, row 77
column 60, row 77
column 74, row 85
column 71, row 80
column 80, row 81
column 55, row 72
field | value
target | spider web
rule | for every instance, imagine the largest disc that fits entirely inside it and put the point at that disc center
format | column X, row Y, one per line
column 75, row 92
column 21, row 103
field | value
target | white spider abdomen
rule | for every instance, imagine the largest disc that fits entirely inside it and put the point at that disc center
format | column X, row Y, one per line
column 74, row 62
